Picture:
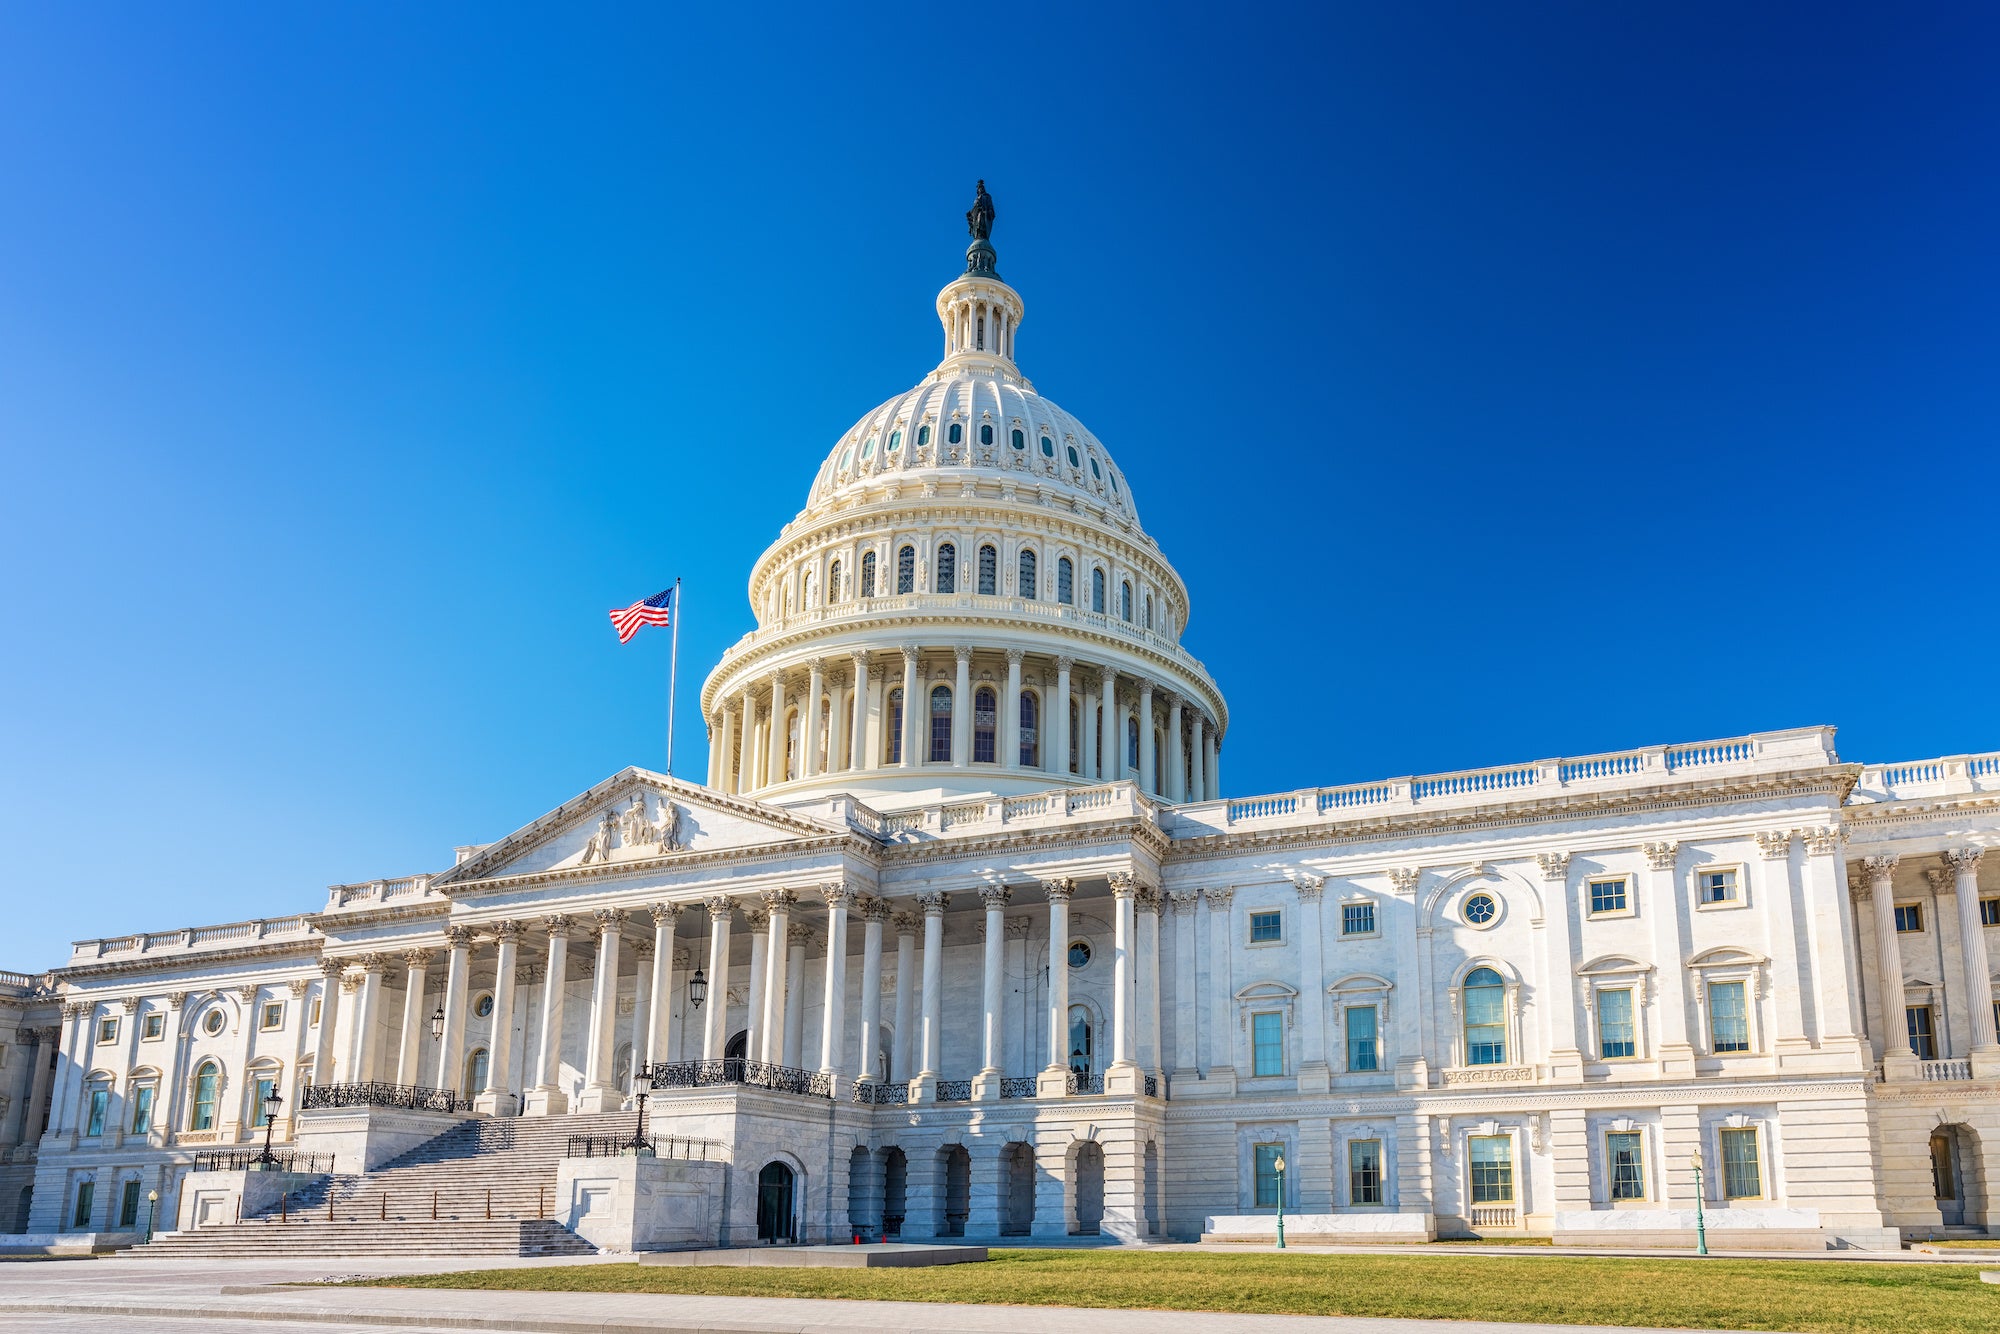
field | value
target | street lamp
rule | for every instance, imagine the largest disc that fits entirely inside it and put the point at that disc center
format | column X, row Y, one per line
column 642, row 1075
column 1280, row 1165
column 267, row 1160
column 152, row 1200
column 1700, row 1224
column 437, row 1022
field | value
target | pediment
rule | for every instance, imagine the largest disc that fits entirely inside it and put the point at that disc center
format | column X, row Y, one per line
column 636, row 816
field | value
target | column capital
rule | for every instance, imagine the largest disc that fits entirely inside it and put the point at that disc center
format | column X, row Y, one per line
column 1145, row 689
column 1942, row 880
column 1124, row 885
column 1015, row 656
column 131, row 1004
column 817, row 665
column 1880, row 869
column 1183, row 901
column 995, row 897
column 719, row 906
column 1148, row 900
column 558, row 924
column 1019, row 928
column 610, row 921
column 370, row 963
column 247, row 993
column 329, row 968
column 860, row 658
column 458, row 937
column 779, row 900
column 909, row 652
column 418, row 958
column 757, row 920
column 1821, row 842
column 1310, row 887
column 509, row 931
column 664, row 913
column 1218, row 899
column 1961, row 860
column 1059, row 890
column 1555, row 865
column 963, row 653
column 350, row 983
column 643, row 947
column 798, row 935
column 905, row 923
column 1064, row 662
column 1775, row 844
column 1662, row 856
column 878, row 671
column 872, row 908
column 297, row 986
column 176, row 999
column 835, row 895
column 934, row 904
column 1403, row 879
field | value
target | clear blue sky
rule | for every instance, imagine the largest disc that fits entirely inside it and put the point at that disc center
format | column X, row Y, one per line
column 1506, row 382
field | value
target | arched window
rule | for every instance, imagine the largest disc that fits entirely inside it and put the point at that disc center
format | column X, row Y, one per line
column 812, row 590
column 1485, row 998
column 475, row 1071
column 1080, row 1055
column 1020, row 441
column 833, row 589
column 947, row 569
column 1031, row 747
column 985, row 724
column 207, row 1086
column 895, row 442
column 894, row 748
column 906, row 570
column 985, row 434
column 792, row 744
column 956, row 433
column 941, row 725
column 1097, row 590
column 1149, row 609
column 923, row 436
column 1125, row 600
column 868, row 574
column 1132, row 745
column 989, row 571
column 1027, row 576
column 1065, row 580
column 1048, row 448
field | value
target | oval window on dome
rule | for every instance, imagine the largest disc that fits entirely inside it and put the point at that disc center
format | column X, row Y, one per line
column 985, row 433
column 895, row 441
column 957, row 433
column 1048, row 448
column 1020, row 441
column 923, row 436
column 846, row 457
column 1096, row 471
column 868, row 448
column 1074, row 462
column 1114, row 485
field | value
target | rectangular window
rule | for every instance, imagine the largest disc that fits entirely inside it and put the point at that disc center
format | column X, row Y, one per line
column 128, row 1207
column 1607, row 896
column 1362, row 1052
column 1364, row 1171
column 100, row 1103
column 1267, row 1156
column 265, row 1083
column 142, row 1109
column 1492, row 1169
column 1617, row 1035
column 1728, row 1019
column 153, row 1027
column 1909, row 917
column 1989, row 912
column 1717, row 886
column 86, row 1193
column 1742, row 1178
column 1626, row 1159
column 1266, row 926
column 1923, row 1034
column 1357, row 919
column 107, row 1031
column 315, row 1012
column 1267, row 1044
column 274, row 1014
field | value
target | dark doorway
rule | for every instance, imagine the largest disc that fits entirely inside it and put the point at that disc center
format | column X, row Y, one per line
column 733, row 1050
column 1017, row 1218
column 775, row 1221
column 895, row 1191
column 1089, row 1189
column 957, row 1189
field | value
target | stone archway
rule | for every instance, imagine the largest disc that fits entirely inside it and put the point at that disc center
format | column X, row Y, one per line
column 1017, row 1190
column 895, row 1166
column 955, row 1179
column 864, row 1194
column 777, row 1214
column 1087, row 1172
column 1958, row 1175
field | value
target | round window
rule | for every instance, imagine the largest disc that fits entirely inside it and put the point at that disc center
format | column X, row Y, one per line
column 1020, row 441
column 1048, row 448
column 1096, row 471
column 1480, row 909
column 213, row 1022
column 483, row 1007
column 1079, row 953
column 1074, row 462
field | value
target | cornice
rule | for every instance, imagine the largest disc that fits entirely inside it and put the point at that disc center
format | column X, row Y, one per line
column 1472, row 1101
column 855, row 845
column 337, row 923
column 1125, row 829
column 1917, row 810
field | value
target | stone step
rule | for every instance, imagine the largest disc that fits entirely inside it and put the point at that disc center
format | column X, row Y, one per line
column 371, row 1237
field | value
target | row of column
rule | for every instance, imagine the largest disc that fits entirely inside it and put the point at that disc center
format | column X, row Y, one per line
column 1959, row 879
column 853, row 696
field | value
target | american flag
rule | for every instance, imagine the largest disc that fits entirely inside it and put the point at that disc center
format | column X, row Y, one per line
column 655, row 610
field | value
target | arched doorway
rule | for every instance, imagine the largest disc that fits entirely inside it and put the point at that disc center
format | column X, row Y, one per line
column 895, row 1191
column 864, row 1194
column 957, row 1178
column 1017, row 1170
column 1152, row 1188
column 21, row 1217
column 775, row 1215
column 1089, row 1176
column 737, row 1046
column 1956, row 1178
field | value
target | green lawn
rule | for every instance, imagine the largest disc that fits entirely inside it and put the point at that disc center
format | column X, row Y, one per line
column 1806, row 1296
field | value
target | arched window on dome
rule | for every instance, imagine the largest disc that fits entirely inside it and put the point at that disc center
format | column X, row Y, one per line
column 1020, row 441
column 1149, row 611
column 868, row 574
column 947, row 569
column 1075, row 742
column 1484, row 995
column 812, row 591
column 1132, row 746
column 985, row 433
column 985, row 725
column 833, row 588
column 791, row 745
column 955, row 434
column 892, row 746
column 989, row 571
column 906, row 570
column 1026, row 576
column 1048, row 448
column 1125, row 600
column 1031, row 736
column 1065, row 581
column 941, row 725
column 923, row 435
column 1097, row 590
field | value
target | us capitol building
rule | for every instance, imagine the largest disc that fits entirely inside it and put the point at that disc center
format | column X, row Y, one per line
column 962, row 937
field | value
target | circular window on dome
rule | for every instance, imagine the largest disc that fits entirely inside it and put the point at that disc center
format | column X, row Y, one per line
column 1048, row 448
column 846, row 457
column 1096, row 471
column 1480, row 909
column 1079, row 953
column 868, row 447
column 1020, row 441
column 212, row 1022
column 1074, row 462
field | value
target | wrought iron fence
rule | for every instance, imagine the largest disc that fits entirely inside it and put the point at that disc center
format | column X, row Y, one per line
column 660, row 1146
column 245, row 1160
column 1080, row 1082
column 735, row 1070
column 954, row 1090
column 1018, row 1087
column 882, row 1095
column 1152, row 1087
column 384, row 1095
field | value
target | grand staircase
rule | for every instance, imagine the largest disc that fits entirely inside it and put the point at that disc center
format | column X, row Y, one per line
column 484, row 1187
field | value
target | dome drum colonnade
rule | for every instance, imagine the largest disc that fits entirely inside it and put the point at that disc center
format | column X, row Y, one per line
column 1030, row 623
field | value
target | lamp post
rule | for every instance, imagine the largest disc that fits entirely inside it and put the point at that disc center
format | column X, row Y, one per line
column 267, row 1160
column 152, row 1201
column 1280, row 1165
column 642, row 1075
column 1700, row 1224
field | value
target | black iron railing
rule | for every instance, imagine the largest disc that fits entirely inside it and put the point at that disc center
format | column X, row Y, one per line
column 1080, row 1082
column 384, row 1095
column 660, row 1146
column 734, row 1070
column 244, row 1160
column 1152, row 1087
column 882, row 1095
column 954, row 1090
column 1017, row 1087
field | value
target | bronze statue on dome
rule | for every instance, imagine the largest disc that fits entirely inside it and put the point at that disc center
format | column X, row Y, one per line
column 979, row 219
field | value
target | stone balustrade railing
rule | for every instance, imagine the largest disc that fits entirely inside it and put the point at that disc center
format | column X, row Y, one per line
column 376, row 893
column 1948, row 775
column 188, row 938
column 988, row 814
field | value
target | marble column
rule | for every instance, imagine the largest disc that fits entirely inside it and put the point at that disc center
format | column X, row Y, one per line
column 1315, row 1076
column 600, row 1093
column 905, row 924
column 961, row 707
column 1963, row 863
column 1148, row 910
column 836, row 721
column 774, row 747
column 659, row 1046
column 367, row 1005
column 857, row 727
column 833, row 1011
column 1888, row 962
column 497, row 1098
column 924, row 1087
column 715, row 750
column 409, row 1056
column 809, row 718
column 642, row 1007
column 801, row 939
column 1055, row 721
column 1122, row 1075
column 715, row 1031
column 1211, row 762
column 1109, row 765
column 1087, row 741
column 458, row 961
column 329, row 1011
column 1149, row 768
column 911, row 707
column 46, row 1045
column 1186, row 1057
column 1197, row 748
column 779, row 902
column 759, row 923
column 1010, row 713
column 1053, row 1082
column 548, row 1098
column 874, row 912
column 986, row 1084
column 724, row 778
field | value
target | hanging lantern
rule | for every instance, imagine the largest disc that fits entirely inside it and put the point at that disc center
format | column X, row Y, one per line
column 697, row 988
column 437, row 1022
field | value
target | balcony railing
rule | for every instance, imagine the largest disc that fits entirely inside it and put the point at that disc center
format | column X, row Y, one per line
column 384, row 1095
column 1935, row 1071
column 735, row 1070
column 954, row 1090
column 1080, row 1082
column 1495, row 1215
column 882, row 1095
column 1015, row 1086
column 660, row 1146
column 247, row 1160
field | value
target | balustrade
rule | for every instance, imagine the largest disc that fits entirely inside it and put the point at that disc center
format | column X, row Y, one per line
column 384, row 1095
column 736, row 1070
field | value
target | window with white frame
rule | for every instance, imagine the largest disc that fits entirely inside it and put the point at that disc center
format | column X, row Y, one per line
column 1364, row 1172
column 264, row 1085
column 142, row 1108
column 1484, row 997
column 1610, row 896
column 315, row 1012
column 1363, row 1041
column 1617, row 1027
column 1909, row 917
column 100, row 1107
column 1357, row 919
column 152, row 1026
column 273, row 1015
column 1726, row 999
column 1920, row 1020
column 1718, row 888
column 107, row 1030
column 1267, row 927
column 1625, row 1164
column 1492, row 1165
column 1989, row 912
column 1728, row 1017
column 1267, row 1043
column 1742, row 1171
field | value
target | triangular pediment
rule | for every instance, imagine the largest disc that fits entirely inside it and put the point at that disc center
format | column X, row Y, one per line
column 634, row 817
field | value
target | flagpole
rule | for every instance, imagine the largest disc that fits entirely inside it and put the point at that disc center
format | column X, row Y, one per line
column 673, row 675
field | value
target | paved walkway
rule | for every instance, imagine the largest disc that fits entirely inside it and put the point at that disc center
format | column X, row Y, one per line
column 160, row 1297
